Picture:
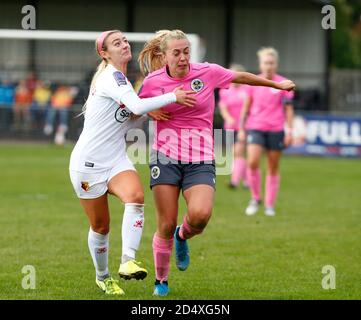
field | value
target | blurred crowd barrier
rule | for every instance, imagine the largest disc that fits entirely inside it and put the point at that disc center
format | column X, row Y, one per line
column 345, row 93
column 34, row 109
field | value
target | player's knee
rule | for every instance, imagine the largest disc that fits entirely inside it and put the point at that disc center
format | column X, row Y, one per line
column 101, row 228
column 199, row 216
column 167, row 228
column 135, row 197
column 253, row 164
column 238, row 150
column 273, row 170
column 237, row 153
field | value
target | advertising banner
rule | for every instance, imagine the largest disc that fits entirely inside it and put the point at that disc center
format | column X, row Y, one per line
column 326, row 135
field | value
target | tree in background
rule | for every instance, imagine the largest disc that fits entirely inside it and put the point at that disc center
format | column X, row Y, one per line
column 346, row 39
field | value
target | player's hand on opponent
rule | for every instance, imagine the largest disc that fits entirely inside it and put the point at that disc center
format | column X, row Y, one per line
column 159, row 115
column 185, row 98
column 134, row 116
column 241, row 137
column 287, row 85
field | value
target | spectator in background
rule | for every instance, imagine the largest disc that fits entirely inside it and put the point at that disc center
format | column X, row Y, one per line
column 23, row 99
column 41, row 103
column 61, row 101
column 31, row 81
column 7, row 94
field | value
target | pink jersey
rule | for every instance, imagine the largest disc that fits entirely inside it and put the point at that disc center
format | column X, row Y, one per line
column 188, row 135
column 233, row 99
column 266, row 111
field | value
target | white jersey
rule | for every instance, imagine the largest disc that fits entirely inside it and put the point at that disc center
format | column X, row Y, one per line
column 110, row 104
column 102, row 141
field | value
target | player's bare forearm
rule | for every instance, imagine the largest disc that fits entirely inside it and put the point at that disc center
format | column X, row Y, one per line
column 253, row 80
column 224, row 112
column 244, row 113
column 289, row 110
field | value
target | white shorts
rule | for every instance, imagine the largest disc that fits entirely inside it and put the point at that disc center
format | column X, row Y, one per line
column 94, row 185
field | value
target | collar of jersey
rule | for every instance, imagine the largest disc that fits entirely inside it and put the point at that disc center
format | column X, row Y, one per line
column 179, row 79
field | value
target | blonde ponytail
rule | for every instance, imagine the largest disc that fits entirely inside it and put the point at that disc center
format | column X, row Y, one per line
column 102, row 65
column 151, row 57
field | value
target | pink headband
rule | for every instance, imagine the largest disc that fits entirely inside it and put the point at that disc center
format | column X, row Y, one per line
column 100, row 40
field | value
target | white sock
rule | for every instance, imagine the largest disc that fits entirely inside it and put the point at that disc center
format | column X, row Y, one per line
column 132, row 229
column 99, row 247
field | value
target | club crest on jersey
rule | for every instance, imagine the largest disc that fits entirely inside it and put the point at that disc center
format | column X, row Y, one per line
column 155, row 172
column 197, row 85
column 121, row 115
column 120, row 78
column 85, row 185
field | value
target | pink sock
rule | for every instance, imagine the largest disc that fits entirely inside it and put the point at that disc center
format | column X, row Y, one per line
column 162, row 250
column 272, row 187
column 254, row 182
column 187, row 231
column 238, row 169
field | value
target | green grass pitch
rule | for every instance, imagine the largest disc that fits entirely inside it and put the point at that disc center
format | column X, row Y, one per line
column 237, row 257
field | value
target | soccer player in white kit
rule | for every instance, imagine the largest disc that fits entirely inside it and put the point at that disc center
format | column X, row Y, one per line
column 99, row 164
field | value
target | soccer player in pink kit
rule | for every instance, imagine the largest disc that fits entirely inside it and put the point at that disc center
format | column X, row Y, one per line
column 230, row 105
column 182, row 157
column 266, row 115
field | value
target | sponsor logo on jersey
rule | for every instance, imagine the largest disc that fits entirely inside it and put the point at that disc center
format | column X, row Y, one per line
column 85, row 185
column 197, row 85
column 155, row 172
column 122, row 115
column 89, row 164
column 120, row 78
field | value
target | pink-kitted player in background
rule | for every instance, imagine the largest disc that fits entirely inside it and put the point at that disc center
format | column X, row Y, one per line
column 230, row 105
column 266, row 114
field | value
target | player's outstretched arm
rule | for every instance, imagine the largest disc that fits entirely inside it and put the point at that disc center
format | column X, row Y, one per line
column 141, row 106
column 253, row 80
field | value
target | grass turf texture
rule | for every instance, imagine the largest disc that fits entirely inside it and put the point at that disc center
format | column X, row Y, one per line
column 237, row 257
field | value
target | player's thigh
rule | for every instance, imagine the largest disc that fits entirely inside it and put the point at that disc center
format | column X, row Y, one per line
column 255, row 146
column 127, row 186
column 166, row 204
column 97, row 211
column 199, row 199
